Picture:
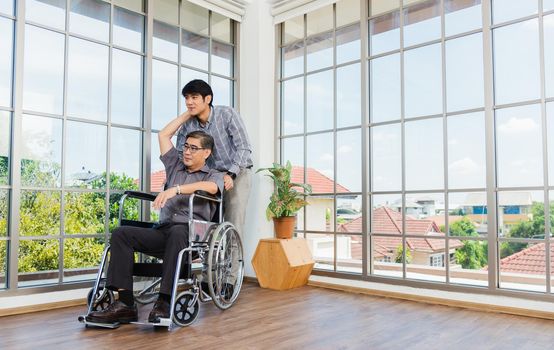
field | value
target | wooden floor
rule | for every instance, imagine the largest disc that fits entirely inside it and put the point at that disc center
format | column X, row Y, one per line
column 304, row 318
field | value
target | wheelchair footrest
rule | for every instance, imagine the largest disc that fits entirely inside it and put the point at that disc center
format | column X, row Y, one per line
column 164, row 322
column 82, row 319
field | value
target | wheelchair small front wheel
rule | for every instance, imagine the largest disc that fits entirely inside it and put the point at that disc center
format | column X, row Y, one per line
column 103, row 298
column 186, row 308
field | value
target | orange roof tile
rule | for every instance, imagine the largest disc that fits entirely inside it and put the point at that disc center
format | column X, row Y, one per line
column 320, row 183
column 531, row 260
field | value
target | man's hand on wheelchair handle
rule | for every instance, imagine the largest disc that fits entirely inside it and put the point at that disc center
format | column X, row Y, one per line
column 163, row 197
column 228, row 182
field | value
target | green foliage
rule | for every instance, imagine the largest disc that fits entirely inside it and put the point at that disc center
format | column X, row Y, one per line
column 286, row 200
column 4, row 168
column 463, row 228
column 473, row 255
column 40, row 173
column 399, row 256
column 38, row 255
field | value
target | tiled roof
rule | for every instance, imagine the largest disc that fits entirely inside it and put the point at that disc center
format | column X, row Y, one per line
column 388, row 221
column 320, row 183
column 157, row 181
column 531, row 260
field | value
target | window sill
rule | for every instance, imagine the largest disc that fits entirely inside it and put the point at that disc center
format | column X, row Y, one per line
column 21, row 304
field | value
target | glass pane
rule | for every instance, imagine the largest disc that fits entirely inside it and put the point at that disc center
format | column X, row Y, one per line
column 349, row 98
column 426, row 258
column 320, row 163
column 157, row 175
column 516, row 45
column 293, row 29
column 424, row 155
column 520, row 215
column 319, row 213
column 420, row 206
column 39, row 213
column 384, row 90
column 464, row 73
column 380, row 6
column 466, row 156
column 4, row 211
column 167, row 11
column 519, row 146
column 3, row 263
column 6, row 46
column 319, row 51
column 41, row 151
column 85, row 160
column 87, row 92
column 467, row 215
column 320, row 20
column 386, row 158
column 84, row 212
column 386, row 217
column 293, row 59
column 348, row 44
column 90, row 18
column 292, row 106
column 549, row 54
column 349, row 215
column 194, row 51
column 48, row 12
column 505, row 10
column 222, row 89
column 194, row 18
column 128, row 29
column 547, row 5
column 526, row 270
column 348, row 11
column 33, row 271
column 5, row 130
column 422, row 22
column 135, row 5
column 349, row 161
column 349, row 253
column 43, row 79
column 423, row 81
column 384, row 252
column 81, row 258
column 550, row 135
column 126, row 88
column 125, row 159
column 164, row 93
column 221, row 27
column 7, row 7
column 461, row 16
column 131, row 210
column 320, row 101
column 222, row 59
column 384, row 33
column 165, row 43
column 322, row 249
column 293, row 150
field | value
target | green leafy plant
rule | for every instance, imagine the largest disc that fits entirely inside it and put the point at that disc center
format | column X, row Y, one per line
column 288, row 197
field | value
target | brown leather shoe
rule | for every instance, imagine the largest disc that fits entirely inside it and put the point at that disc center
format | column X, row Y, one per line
column 160, row 310
column 115, row 312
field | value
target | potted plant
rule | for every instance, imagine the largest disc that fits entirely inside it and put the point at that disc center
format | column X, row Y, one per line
column 286, row 200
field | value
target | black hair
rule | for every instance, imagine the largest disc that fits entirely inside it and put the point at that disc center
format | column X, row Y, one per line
column 200, row 87
column 206, row 140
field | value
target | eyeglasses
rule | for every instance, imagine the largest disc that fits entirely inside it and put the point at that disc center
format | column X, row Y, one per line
column 193, row 149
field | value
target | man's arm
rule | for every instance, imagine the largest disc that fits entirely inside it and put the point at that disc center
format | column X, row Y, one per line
column 165, row 135
column 163, row 197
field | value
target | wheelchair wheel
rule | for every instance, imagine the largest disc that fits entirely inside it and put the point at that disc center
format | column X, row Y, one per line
column 225, row 265
column 103, row 298
column 185, row 310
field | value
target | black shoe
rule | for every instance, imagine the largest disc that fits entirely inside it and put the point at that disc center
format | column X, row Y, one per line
column 160, row 310
column 114, row 313
column 205, row 287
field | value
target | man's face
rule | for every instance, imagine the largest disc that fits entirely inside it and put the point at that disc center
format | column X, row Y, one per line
column 196, row 104
column 194, row 156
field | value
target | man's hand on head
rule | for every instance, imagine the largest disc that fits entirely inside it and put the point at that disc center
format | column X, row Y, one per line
column 163, row 197
column 228, row 182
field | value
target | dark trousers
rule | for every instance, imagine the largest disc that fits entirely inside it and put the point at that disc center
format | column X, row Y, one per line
column 164, row 242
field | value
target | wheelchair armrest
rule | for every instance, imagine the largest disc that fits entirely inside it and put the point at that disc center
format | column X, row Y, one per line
column 206, row 195
column 140, row 195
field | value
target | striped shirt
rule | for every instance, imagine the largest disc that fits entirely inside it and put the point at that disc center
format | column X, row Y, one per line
column 232, row 150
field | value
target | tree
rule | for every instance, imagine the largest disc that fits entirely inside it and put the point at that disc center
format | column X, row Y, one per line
column 463, row 228
column 473, row 255
column 399, row 256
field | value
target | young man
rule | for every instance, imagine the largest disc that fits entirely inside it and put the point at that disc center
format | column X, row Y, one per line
column 232, row 153
column 171, row 236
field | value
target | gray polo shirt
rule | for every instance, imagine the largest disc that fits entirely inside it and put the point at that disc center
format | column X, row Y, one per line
column 176, row 209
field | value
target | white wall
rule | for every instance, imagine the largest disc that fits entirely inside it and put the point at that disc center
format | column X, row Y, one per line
column 256, row 101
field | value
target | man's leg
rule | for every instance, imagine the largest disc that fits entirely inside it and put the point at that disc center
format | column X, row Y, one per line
column 235, row 200
column 176, row 239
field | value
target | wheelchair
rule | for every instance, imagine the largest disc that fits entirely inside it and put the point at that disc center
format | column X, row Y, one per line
column 215, row 244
